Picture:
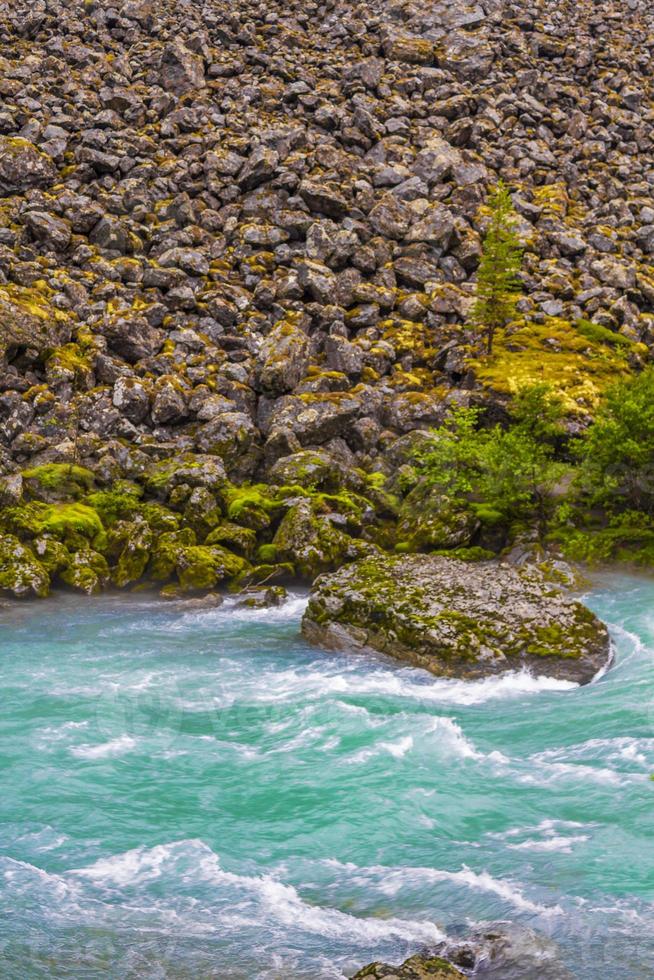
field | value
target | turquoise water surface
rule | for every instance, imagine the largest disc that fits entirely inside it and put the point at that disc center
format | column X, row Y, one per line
column 193, row 794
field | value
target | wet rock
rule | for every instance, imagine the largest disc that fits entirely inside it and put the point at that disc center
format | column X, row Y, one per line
column 502, row 949
column 457, row 620
column 262, row 597
column 419, row 967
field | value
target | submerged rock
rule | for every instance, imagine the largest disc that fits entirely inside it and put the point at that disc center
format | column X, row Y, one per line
column 456, row 619
column 500, row 950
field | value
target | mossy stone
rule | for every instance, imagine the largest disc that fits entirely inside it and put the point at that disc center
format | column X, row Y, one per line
column 202, row 567
column 87, row 571
column 21, row 573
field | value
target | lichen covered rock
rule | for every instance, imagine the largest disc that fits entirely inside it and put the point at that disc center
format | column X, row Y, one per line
column 312, row 544
column 21, row 573
column 457, row 620
column 23, row 165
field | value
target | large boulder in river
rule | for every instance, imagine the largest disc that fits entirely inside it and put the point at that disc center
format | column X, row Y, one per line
column 457, row 619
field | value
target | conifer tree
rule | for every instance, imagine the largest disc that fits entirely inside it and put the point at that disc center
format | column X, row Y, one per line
column 498, row 285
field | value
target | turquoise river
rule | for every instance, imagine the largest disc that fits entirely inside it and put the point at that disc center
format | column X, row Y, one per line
column 199, row 794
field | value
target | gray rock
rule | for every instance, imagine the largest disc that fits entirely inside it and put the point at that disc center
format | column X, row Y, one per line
column 323, row 198
column 23, row 165
column 131, row 398
column 168, row 403
column 456, row 619
column 181, row 69
column 55, row 233
column 187, row 259
column 283, row 357
column 260, row 167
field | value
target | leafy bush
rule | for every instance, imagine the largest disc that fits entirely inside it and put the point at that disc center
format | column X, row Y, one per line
column 504, row 476
column 617, row 456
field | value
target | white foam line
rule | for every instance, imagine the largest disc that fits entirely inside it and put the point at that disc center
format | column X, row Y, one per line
column 117, row 746
column 392, row 880
column 272, row 898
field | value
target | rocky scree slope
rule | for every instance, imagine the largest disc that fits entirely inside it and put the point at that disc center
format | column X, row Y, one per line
column 238, row 245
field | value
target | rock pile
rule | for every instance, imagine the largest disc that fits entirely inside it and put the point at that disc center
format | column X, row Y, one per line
column 249, row 232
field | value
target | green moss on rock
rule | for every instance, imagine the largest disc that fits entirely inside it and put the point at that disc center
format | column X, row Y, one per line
column 86, row 572
column 57, row 481
column 203, row 567
column 21, row 573
column 237, row 538
column 457, row 619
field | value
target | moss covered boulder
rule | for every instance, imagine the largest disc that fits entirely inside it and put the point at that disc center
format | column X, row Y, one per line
column 200, row 568
column 417, row 968
column 54, row 482
column 87, row 571
column 133, row 540
column 430, row 520
column 30, row 321
column 311, row 543
column 21, row 573
column 456, row 619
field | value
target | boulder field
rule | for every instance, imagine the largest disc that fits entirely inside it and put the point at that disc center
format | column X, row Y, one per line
column 238, row 250
column 456, row 619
